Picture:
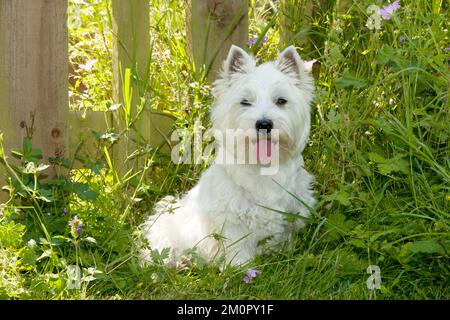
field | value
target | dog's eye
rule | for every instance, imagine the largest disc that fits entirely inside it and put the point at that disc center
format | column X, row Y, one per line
column 281, row 102
column 245, row 103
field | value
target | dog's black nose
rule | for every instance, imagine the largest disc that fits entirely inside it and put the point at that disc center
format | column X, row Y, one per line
column 264, row 124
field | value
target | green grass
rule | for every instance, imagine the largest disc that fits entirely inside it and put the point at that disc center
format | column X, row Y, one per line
column 379, row 150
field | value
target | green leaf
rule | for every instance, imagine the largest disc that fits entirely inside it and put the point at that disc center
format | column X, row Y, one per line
column 36, row 153
column 95, row 166
column 350, row 81
column 58, row 240
column 46, row 195
column 358, row 243
column 386, row 166
column 60, row 161
column 291, row 217
column 339, row 220
column 340, row 196
column 127, row 96
column 90, row 239
column 28, row 257
column 26, row 145
column 337, row 226
column 89, row 195
column 84, row 192
column 16, row 153
column 375, row 157
column 11, row 235
column 159, row 257
column 387, row 54
column 27, row 154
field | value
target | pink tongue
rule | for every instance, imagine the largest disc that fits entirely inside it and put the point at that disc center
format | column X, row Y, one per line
column 264, row 151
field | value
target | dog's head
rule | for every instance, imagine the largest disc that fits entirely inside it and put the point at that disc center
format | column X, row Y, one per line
column 269, row 103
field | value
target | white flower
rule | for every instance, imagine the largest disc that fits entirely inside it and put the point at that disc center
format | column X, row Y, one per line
column 31, row 168
column 88, row 66
column 374, row 20
column 309, row 64
column 31, row 244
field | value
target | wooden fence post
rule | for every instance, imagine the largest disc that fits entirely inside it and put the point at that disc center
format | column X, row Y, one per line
column 132, row 49
column 131, row 23
column 214, row 26
column 33, row 74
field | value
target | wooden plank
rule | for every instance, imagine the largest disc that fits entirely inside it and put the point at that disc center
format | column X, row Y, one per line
column 33, row 74
column 131, row 24
column 81, row 139
column 214, row 25
column 156, row 129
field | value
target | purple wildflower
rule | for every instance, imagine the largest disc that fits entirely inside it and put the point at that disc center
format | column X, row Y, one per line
column 447, row 49
column 402, row 38
column 386, row 11
column 251, row 273
column 254, row 40
column 76, row 226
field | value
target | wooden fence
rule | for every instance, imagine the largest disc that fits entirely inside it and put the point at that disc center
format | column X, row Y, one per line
column 34, row 67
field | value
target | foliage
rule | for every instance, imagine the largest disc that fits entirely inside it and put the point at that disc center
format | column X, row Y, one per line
column 379, row 150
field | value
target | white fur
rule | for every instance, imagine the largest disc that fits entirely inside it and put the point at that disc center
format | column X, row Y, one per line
column 229, row 199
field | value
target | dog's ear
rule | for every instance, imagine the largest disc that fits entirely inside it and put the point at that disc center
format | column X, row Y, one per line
column 238, row 61
column 290, row 63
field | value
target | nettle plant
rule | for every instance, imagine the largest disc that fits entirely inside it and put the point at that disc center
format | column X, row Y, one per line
column 29, row 182
column 44, row 216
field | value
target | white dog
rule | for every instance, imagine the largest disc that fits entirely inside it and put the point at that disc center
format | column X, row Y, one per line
column 235, row 210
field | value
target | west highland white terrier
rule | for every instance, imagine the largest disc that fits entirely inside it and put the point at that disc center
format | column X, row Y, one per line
column 236, row 209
